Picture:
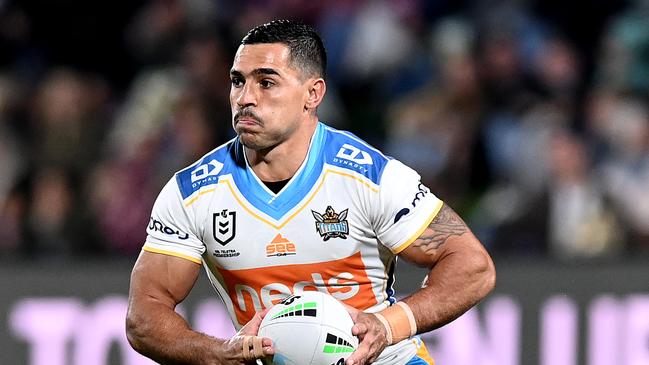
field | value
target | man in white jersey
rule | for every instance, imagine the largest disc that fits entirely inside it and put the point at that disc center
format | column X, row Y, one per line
column 291, row 204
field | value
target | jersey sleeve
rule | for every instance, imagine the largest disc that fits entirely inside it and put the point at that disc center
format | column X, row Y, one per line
column 170, row 231
column 405, row 207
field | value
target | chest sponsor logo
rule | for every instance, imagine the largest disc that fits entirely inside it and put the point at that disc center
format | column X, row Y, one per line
column 280, row 246
column 252, row 290
column 331, row 224
column 224, row 225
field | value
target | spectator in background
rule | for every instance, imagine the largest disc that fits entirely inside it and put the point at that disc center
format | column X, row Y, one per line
column 621, row 123
column 159, row 30
column 67, row 121
column 571, row 217
column 556, row 67
column 370, row 75
column 13, row 195
column 618, row 118
column 13, row 210
column 123, row 184
column 582, row 222
column 516, row 152
column 530, row 94
column 517, row 117
column 434, row 128
column 50, row 223
column 205, row 65
column 623, row 64
column 11, row 146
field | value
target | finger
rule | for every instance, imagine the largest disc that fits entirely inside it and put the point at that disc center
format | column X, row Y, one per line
column 245, row 343
column 259, row 316
column 353, row 312
column 267, row 344
column 268, row 351
column 257, row 348
column 252, row 327
column 359, row 329
column 360, row 355
column 357, row 358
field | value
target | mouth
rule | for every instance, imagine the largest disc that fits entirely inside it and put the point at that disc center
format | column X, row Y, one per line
column 247, row 121
column 246, row 118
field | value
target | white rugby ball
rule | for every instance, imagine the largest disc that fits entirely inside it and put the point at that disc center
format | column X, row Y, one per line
column 309, row 328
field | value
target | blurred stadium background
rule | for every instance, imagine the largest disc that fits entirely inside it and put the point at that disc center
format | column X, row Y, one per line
column 528, row 117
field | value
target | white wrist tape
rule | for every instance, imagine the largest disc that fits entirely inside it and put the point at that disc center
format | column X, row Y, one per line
column 252, row 347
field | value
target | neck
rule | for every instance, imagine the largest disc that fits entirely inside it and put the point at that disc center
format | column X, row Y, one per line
column 282, row 161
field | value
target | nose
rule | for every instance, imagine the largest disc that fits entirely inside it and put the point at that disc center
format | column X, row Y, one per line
column 245, row 96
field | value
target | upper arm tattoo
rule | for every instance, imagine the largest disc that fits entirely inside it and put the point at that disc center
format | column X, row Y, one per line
column 446, row 224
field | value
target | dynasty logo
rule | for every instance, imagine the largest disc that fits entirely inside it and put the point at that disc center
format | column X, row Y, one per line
column 331, row 224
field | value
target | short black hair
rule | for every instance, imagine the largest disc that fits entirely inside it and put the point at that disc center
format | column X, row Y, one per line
column 305, row 45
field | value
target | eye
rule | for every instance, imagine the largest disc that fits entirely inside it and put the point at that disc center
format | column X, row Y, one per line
column 236, row 81
column 266, row 83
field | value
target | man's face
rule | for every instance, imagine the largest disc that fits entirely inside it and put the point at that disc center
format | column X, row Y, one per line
column 267, row 95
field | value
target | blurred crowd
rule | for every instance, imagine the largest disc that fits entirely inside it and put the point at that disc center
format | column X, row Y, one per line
column 530, row 118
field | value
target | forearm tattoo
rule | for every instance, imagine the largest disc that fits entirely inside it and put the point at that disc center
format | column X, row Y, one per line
column 447, row 223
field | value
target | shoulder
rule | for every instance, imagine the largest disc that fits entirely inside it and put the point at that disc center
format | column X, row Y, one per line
column 207, row 170
column 345, row 150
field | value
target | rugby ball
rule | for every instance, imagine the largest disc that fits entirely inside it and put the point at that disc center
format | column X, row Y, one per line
column 309, row 328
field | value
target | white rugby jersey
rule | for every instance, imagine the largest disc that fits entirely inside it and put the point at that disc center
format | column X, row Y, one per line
column 336, row 226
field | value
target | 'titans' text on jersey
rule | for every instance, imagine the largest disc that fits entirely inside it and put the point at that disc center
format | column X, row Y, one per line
column 336, row 226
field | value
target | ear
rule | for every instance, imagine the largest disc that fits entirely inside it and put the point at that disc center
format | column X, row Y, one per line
column 317, row 90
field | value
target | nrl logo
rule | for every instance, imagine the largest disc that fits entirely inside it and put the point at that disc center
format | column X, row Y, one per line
column 224, row 226
column 331, row 224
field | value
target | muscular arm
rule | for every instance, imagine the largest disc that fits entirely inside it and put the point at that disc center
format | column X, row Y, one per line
column 461, row 271
column 154, row 329
column 461, row 274
column 158, row 284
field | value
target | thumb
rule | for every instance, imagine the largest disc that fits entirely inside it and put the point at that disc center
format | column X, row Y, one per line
column 263, row 313
column 252, row 327
column 353, row 312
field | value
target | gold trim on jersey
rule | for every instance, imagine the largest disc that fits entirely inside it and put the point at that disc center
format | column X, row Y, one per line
column 201, row 193
column 422, row 352
column 236, row 194
column 172, row 253
column 414, row 237
column 353, row 177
